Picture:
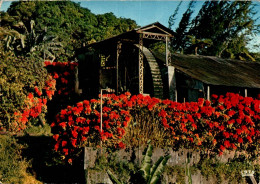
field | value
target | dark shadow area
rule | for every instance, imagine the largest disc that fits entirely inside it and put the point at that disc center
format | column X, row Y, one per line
column 46, row 166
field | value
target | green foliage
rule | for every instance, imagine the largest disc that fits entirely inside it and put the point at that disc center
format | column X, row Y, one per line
column 172, row 18
column 180, row 38
column 109, row 25
column 147, row 162
column 38, row 130
column 221, row 28
column 188, row 168
column 68, row 24
column 213, row 169
column 177, row 171
column 148, row 173
column 158, row 47
column 152, row 173
column 120, row 168
column 12, row 166
column 230, row 171
column 19, row 76
column 113, row 178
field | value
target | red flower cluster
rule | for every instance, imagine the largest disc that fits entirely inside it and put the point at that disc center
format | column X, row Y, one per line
column 50, row 87
column 33, row 108
column 228, row 122
column 61, row 77
column 35, row 104
column 63, row 73
column 81, row 125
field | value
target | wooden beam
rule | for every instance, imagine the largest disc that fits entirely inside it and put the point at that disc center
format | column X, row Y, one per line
column 118, row 51
column 153, row 26
column 141, row 30
column 245, row 92
column 162, row 30
column 154, row 37
column 252, row 178
column 208, row 93
column 141, row 65
column 157, row 34
column 172, row 83
column 166, row 51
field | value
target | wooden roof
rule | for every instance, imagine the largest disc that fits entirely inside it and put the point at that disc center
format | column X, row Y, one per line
column 217, row 71
column 158, row 30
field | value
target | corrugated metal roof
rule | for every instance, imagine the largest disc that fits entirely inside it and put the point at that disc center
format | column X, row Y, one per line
column 217, row 71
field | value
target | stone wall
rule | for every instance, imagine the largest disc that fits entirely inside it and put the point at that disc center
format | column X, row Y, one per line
column 178, row 158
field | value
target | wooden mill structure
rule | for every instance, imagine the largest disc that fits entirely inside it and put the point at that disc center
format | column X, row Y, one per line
column 124, row 63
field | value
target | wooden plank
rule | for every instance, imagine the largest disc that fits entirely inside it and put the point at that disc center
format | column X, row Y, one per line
column 253, row 179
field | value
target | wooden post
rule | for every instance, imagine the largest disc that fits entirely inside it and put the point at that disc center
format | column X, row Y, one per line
column 77, row 91
column 166, row 51
column 141, row 65
column 252, row 178
column 118, row 51
column 172, row 83
column 245, row 92
column 171, row 72
column 208, row 93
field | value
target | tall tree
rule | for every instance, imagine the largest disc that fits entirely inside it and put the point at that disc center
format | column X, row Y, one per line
column 223, row 28
column 179, row 40
column 172, row 18
column 71, row 24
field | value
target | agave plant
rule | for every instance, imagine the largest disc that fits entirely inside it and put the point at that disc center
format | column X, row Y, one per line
column 148, row 173
column 113, row 178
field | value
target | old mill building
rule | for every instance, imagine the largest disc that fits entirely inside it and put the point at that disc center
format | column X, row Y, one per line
column 124, row 63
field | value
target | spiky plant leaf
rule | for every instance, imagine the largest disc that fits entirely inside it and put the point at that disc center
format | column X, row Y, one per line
column 146, row 162
column 157, row 169
column 113, row 178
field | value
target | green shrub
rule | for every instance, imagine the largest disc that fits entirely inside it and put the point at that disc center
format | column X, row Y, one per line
column 230, row 171
column 13, row 168
column 19, row 77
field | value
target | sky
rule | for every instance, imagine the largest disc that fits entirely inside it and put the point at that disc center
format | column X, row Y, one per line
column 144, row 12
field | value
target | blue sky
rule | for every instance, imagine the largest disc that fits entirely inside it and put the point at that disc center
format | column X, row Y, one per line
column 144, row 12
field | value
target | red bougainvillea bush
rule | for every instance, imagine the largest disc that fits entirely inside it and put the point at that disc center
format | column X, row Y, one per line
column 63, row 73
column 35, row 105
column 228, row 122
column 31, row 103
column 76, row 126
